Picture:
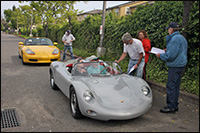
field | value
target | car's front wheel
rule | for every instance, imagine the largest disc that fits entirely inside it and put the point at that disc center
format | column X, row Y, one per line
column 52, row 82
column 23, row 60
column 75, row 111
column 20, row 56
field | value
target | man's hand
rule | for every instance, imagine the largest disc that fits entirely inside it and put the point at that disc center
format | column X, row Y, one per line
column 116, row 61
column 158, row 55
column 136, row 66
column 65, row 42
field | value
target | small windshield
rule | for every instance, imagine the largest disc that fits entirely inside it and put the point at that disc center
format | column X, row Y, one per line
column 38, row 41
column 96, row 69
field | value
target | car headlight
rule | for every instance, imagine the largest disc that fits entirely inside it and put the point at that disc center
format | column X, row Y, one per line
column 88, row 96
column 145, row 90
column 56, row 51
column 28, row 51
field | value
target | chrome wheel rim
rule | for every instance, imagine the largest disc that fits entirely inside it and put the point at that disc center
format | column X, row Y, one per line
column 73, row 103
column 52, row 80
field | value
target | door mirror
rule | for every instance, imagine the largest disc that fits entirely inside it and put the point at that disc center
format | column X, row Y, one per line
column 21, row 43
column 55, row 43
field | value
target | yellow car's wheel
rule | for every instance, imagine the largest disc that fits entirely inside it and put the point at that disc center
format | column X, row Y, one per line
column 20, row 56
column 23, row 60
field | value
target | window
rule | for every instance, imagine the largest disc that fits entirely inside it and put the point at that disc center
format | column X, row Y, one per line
column 108, row 11
column 117, row 11
column 127, row 11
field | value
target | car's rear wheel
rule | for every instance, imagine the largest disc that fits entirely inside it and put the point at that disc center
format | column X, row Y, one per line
column 75, row 111
column 52, row 82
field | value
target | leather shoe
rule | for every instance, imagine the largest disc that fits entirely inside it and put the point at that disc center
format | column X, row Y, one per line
column 176, row 109
column 167, row 110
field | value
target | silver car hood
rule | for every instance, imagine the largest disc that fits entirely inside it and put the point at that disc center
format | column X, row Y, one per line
column 115, row 91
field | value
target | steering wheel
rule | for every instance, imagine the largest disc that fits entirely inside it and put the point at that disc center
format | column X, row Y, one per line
column 103, row 69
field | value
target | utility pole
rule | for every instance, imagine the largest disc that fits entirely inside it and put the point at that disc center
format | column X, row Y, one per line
column 101, row 50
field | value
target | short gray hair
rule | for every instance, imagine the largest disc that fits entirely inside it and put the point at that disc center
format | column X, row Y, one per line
column 126, row 37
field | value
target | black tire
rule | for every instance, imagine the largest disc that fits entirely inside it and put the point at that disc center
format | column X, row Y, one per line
column 23, row 60
column 75, row 111
column 52, row 82
column 20, row 57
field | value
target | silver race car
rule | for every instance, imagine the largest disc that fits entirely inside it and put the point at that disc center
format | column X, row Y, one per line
column 100, row 90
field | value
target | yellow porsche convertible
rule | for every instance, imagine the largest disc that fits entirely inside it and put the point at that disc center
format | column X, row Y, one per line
column 38, row 50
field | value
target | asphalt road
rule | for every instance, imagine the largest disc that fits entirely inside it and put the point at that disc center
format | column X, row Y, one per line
column 41, row 109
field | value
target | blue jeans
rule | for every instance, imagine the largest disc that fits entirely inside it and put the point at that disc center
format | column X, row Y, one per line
column 68, row 47
column 139, row 70
column 173, row 86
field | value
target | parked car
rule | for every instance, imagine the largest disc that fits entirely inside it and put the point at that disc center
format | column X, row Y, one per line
column 106, row 94
column 38, row 50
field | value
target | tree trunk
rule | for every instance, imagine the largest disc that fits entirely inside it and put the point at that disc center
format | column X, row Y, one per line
column 47, row 29
column 186, row 14
column 27, row 27
column 17, row 26
column 70, row 24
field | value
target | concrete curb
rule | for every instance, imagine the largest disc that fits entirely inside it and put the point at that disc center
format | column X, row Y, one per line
column 75, row 56
column 184, row 95
column 19, row 36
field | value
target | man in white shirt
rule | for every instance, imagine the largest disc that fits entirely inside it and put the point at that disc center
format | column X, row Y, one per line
column 67, row 39
column 136, row 53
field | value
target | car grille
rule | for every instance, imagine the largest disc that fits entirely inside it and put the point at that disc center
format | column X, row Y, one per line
column 33, row 60
column 36, row 60
column 54, row 59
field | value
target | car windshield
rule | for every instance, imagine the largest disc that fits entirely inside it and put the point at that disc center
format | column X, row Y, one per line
column 96, row 69
column 38, row 41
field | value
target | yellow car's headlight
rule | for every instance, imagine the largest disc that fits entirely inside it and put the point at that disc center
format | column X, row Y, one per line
column 28, row 51
column 55, row 52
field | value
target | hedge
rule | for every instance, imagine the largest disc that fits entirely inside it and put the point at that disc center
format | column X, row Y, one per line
column 151, row 18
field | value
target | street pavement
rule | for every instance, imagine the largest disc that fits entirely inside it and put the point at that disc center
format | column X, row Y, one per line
column 26, row 88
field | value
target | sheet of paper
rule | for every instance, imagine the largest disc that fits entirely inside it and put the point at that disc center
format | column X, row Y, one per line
column 155, row 50
column 133, row 68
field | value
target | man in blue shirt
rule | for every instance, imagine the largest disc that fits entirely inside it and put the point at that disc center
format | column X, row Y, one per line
column 95, row 67
column 176, row 60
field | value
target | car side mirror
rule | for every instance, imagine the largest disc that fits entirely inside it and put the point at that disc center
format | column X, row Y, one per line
column 21, row 43
column 55, row 43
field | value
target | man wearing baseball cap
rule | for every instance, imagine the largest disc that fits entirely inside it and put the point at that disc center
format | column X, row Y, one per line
column 94, row 67
column 176, row 60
